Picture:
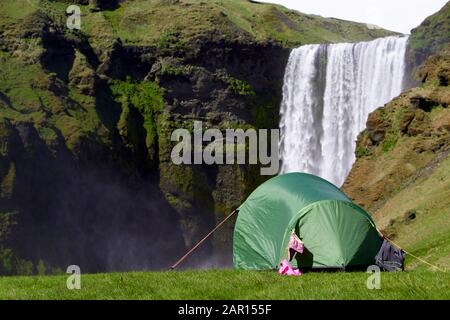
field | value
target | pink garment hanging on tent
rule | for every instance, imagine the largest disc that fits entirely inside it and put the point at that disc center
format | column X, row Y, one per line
column 295, row 246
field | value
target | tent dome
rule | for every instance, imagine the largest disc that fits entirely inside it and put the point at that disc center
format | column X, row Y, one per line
column 336, row 232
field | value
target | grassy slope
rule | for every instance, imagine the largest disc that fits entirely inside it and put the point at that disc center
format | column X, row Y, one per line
column 12, row 10
column 230, row 285
column 428, row 235
column 432, row 35
column 145, row 22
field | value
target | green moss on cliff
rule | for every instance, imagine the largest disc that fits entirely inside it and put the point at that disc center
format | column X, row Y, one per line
column 147, row 99
column 240, row 87
column 146, row 96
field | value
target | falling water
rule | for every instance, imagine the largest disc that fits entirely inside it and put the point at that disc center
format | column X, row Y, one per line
column 328, row 93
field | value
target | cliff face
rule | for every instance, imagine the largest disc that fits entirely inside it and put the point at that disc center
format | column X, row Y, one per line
column 430, row 37
column 86, row 118
column 402, row 171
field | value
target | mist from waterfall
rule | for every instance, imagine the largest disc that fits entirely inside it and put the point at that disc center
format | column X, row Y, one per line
column 329, row 91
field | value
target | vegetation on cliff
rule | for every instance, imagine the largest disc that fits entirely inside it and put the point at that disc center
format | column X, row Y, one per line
column 431, row 36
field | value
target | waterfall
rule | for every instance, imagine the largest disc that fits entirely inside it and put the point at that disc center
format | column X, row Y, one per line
column 328, row 92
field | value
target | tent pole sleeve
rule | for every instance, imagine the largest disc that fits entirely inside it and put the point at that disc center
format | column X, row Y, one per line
column 202, row 240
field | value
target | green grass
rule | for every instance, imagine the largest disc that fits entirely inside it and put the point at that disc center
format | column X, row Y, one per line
column 146, row 22
column 230, row 285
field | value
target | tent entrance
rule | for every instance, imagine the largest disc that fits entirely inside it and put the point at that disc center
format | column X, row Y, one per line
column 336, row 235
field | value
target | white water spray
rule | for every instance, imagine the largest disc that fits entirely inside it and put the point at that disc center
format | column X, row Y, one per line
column 329, row 91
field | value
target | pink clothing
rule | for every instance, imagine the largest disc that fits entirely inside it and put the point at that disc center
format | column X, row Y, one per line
column 296, row 244
column 286, row 269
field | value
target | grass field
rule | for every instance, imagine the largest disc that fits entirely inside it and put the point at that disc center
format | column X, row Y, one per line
column 230, row 285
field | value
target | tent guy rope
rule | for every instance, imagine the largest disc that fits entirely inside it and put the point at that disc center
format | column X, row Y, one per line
column 414, row 256
column 202, row 240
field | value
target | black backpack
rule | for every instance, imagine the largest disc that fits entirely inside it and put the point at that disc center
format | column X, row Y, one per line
column 390, row 258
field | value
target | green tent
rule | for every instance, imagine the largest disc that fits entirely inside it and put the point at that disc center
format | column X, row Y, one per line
column 336, row 233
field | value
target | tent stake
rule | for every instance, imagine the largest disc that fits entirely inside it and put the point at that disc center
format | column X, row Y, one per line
column 201, row 241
